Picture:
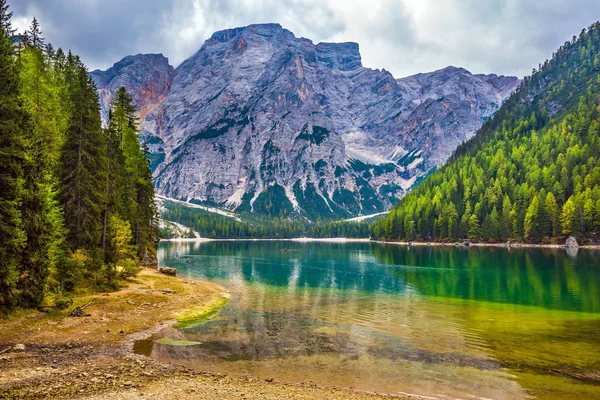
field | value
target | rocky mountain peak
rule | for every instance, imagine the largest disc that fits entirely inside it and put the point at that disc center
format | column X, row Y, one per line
column 268, row 30
column 261, row 121
column 146, row 76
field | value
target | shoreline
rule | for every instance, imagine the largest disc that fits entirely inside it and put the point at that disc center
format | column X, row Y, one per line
column 498, row 245
column 300, row 240
column 515, row 245
column 93, row 357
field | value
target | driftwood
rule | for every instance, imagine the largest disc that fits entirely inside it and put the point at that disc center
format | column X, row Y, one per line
column 78, row 311
column 5, row 350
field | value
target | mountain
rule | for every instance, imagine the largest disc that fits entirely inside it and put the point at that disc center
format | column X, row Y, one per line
column 147, row 77
column 531, row 173
column 259, row 120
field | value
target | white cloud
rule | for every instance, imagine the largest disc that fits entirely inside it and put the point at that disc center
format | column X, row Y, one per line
column 402, row 36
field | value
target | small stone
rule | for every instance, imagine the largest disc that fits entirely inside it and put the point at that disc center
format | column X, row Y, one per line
column 19, row 347
column 127, row 383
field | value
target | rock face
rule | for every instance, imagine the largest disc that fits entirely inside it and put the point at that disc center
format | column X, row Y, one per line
column 259, row 120
column 147, row 77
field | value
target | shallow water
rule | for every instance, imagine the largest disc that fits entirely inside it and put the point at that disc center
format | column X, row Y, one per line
column 441, row 322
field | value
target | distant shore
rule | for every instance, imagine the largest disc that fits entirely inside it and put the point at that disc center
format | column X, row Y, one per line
column 368, row 240
column 331, row 240
column 503, row 245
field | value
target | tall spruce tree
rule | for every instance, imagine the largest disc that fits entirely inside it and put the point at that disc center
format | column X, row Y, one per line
column 33, row 36
column 113, row 186
column 82, row 160
column 6, row 19
column 136, row 200
column 42, row 216
column 14, row 121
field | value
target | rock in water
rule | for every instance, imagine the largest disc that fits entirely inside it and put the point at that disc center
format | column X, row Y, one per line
column 571, row 242
column 168, row 271
column 259, row 120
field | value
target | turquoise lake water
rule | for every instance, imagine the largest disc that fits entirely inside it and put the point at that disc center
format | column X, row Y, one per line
column 442, row 322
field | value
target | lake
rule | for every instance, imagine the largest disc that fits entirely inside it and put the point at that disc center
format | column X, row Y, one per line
column 442, row 322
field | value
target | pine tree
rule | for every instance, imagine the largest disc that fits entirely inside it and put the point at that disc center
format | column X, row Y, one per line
column 136, row 202
column 474, row 228
column 506, row 223
column 464, row 221
column 6, row 19
column 83, row 161
column 567, row 217
column 41, row 212
column 553, row 213
column 13, row 122
column 33, row 36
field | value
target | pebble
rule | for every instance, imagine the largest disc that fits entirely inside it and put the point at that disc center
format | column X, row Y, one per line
column 19, row 347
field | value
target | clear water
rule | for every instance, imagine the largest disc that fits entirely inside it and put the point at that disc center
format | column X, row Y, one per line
column 443, row 322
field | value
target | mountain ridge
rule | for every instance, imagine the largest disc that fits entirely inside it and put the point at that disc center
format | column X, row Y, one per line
column 262, row 121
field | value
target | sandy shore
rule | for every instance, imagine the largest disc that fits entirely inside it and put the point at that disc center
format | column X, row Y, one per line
column 51, row 355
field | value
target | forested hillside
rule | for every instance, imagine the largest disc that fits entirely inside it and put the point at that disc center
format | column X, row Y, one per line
column 76, row 200
column 531, row 173
column 210, row 225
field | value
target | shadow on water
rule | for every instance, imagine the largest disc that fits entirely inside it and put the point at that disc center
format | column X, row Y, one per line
column 427, row 320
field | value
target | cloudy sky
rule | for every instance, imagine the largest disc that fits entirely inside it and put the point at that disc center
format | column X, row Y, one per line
column 403, row 36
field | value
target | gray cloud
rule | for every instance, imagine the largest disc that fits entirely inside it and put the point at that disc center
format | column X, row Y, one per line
column 402, row 36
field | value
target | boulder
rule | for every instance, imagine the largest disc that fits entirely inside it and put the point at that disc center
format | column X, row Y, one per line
column 571, row 242
column 168, row 271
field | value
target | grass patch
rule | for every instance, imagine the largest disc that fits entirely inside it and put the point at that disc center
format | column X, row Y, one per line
column 198, row 315
column 176, row 342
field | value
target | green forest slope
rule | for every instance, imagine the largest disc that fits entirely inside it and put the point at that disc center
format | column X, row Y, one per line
column 531, row 173
column 76, row 200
